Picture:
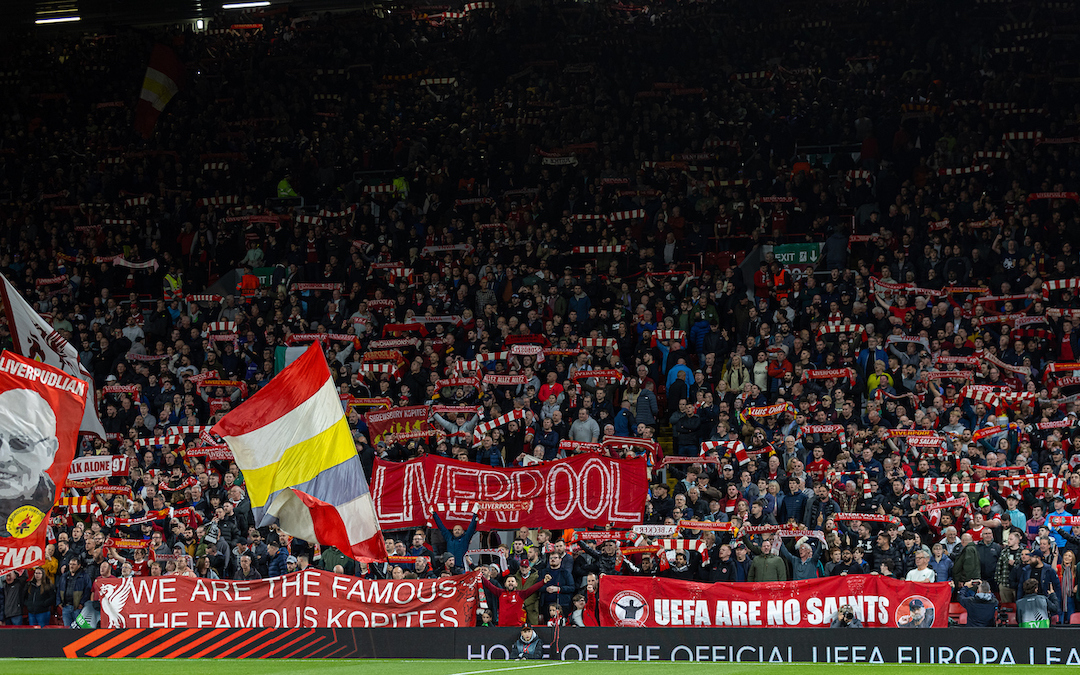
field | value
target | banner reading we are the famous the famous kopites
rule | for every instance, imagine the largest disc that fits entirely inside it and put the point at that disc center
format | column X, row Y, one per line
column 579, row 491
column 308, row 599
column 40, row 411
column 877, row 601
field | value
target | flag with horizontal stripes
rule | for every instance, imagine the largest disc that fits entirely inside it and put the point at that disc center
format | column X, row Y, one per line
column 163, row 79
column 294, row 445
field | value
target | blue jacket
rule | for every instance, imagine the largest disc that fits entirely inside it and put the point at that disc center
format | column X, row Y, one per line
column 742, row 569
column 561, row 578
column 1053, row 528
column 646, row 409
column 456, row 546
column 624, row 423
column 276, row 566
column 791, row 506
column 550, row 441
column 981, row 611
column 79, row 585
column 942, row 568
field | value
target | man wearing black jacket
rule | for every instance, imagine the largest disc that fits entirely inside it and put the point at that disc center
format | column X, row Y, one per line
column 820, row 508
column 722, row 566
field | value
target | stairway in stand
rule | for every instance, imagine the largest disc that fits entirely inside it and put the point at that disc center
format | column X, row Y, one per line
column 667, row 441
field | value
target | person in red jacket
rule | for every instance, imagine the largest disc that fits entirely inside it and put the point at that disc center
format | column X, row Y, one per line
column 511, row 600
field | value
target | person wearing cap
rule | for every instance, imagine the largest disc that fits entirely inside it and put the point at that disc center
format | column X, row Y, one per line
column 1059, row 511
column 528, row 645
column 1047, row 582
column 277, row 558
column 662, row 504
column 525, row 576
column 1009, row 511
column 919, row 615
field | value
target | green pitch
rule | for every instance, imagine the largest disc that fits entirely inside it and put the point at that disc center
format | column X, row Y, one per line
column 394, row 667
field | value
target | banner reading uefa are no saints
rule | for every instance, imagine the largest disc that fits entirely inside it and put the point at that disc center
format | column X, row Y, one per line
column 876, row 600
column 40, row 411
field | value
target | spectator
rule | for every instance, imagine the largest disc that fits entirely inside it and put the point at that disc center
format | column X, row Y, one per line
column 1032, row 608
column 805, row 565
column 766, row 565
column 40, row 598
column 981, row 606
column 73, row 591
column 967, row 566
column 14, row 594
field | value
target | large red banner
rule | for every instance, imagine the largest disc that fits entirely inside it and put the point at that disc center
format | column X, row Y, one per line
column 40, row 411
column 581, row 491
column 309, row 599
column 396, row 421
column 877, row 601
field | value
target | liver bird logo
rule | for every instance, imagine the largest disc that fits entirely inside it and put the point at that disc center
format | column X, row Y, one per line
column 113, row 599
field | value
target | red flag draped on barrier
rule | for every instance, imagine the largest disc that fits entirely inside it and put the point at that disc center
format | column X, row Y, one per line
column 576, row 492
column 877, row 601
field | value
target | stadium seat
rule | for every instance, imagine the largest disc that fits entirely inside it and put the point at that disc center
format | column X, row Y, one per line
column 955, row 610
column 1074, row 619
column 963, row 619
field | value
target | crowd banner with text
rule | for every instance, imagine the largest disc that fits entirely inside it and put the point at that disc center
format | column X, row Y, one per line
column 580, row 491
column 877, row 601
column 308, row 599
column 397, row 421
column 99, row 466
column 40, row 411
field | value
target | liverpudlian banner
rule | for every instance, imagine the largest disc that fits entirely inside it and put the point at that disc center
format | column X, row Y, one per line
column 580, row 491
column 33, row 337
column 877, row 601
column 40, row 410
column 309, row 599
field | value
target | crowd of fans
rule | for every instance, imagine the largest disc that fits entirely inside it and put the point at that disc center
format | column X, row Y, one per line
column 926, row 146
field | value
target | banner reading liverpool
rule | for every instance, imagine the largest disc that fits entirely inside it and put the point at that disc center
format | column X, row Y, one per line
column 40, row 411
column 309, row 599
column 396, row 421
column 580, row 491
column 877, row 601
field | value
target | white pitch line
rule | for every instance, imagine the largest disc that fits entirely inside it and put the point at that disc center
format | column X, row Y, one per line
column 500, row 670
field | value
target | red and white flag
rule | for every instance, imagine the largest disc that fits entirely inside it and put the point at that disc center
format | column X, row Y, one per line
column 34, row 338
column 296, row 450
column 163, row 79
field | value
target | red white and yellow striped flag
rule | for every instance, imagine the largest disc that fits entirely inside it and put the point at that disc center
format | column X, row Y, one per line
column 164, row 77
